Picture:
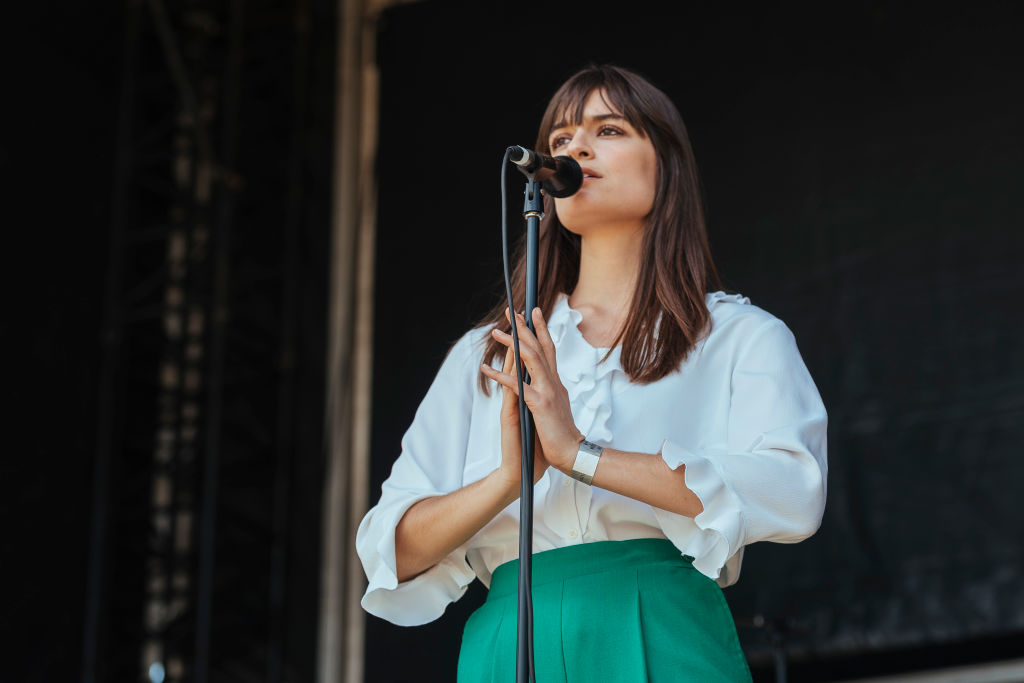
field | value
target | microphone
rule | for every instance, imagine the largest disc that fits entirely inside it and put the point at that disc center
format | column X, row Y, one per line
column 560, row 176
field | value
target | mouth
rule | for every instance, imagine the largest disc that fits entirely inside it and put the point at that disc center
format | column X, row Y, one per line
column 589, row 174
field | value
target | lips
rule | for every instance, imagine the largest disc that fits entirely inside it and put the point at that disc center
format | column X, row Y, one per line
column 589, row 173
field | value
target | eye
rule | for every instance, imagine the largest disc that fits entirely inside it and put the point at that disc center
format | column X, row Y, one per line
column 609, row 130
column 559, row 141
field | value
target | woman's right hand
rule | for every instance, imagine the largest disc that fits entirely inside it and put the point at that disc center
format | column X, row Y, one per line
column 510, row 471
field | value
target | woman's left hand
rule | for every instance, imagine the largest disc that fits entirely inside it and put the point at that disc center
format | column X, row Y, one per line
column 546, row 396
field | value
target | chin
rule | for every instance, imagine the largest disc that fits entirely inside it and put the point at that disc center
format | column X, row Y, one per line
column 587, row 223
column 574, row 225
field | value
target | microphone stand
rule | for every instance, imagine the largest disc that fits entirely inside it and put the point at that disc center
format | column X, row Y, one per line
column 533, row 205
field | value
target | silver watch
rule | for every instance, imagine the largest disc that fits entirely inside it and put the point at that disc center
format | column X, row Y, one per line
column 586, row 462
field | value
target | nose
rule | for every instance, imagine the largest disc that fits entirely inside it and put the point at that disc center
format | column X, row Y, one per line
column 579, row 146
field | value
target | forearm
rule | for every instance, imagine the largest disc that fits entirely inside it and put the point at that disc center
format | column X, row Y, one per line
column 647, row 478
column 434, row 527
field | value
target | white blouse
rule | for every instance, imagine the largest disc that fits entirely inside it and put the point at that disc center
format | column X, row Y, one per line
column 741, row 413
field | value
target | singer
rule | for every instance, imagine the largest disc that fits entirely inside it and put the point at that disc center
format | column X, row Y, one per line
column 675, row 425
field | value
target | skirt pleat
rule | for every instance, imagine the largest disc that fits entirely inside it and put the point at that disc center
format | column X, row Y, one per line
column 603, row 631
column 689, row 633
column 623, row 611
column 483, row 633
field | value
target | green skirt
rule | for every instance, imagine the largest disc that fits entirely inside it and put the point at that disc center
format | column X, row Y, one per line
column 620, row 611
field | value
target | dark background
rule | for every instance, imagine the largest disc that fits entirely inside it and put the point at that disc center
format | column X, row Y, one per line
column 92, row 129
column 861, row 165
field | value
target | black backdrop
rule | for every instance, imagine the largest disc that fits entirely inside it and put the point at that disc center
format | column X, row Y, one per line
column 861, row 168
column 64, row 66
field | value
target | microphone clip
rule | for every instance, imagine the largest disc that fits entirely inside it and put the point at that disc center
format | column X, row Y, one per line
column 560, row 176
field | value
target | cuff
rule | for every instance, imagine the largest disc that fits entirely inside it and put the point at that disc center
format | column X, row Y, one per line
column 419, row 600
column 721, row 521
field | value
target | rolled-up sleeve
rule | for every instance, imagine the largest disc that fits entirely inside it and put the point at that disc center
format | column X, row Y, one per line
column 768, row 482
column 433, row 455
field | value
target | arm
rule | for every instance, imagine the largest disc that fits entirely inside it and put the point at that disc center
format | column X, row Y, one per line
column 766, row 480
column 644, row 477
column 431, row 464
column 434, row 527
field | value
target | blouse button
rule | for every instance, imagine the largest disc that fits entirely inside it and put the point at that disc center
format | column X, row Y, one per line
column 573, row 533
column 566, row 483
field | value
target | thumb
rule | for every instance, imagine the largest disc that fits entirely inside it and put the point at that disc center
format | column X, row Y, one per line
column 509, row 402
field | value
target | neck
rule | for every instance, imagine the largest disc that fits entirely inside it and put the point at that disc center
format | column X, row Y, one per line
column 609, row 263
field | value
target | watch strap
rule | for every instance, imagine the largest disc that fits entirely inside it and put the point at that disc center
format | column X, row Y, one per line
column 585, row 465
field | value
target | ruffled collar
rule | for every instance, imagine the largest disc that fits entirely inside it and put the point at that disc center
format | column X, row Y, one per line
column 576, row 357
column 563, row 321
column 591, row 378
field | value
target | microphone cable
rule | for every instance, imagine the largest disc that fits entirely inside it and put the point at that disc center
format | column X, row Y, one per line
column 526, row 476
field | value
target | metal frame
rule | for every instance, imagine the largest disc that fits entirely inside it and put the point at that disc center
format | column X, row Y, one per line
column 177, row 311
column 350, row 342
column 349, row 347
column 180, row 327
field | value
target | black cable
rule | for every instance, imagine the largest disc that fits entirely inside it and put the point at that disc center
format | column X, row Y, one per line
column 526, row 477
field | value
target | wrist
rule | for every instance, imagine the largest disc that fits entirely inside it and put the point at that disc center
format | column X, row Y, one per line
column 585, row 464
column 570, row 451
column 506, row 488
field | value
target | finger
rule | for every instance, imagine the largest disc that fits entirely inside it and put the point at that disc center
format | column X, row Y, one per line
column 533, row 342
column 530, row 339
column 507, row 368
column 505, row 379
column 544, row 337
column 534, row 361
column 506, row 338
column 509, row 381
column 526, row 335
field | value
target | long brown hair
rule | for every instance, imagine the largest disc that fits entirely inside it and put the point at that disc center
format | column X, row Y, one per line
column 676, row 270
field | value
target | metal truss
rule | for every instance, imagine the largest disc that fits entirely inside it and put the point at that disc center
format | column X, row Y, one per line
column 196, row 408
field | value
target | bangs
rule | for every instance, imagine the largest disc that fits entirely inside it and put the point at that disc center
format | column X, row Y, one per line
column 567, row 105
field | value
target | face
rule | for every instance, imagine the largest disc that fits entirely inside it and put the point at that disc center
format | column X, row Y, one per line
column 619, row 171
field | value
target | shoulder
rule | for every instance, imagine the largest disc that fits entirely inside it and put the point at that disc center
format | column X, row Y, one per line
column 736, row 322
column 471, row 343
column 735, row 310
column 465, row 354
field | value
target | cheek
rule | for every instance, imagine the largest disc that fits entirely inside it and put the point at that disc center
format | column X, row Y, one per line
column 644, row 181
column 650, row 178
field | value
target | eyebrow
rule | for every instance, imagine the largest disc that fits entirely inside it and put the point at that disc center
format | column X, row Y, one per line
column 599, row 117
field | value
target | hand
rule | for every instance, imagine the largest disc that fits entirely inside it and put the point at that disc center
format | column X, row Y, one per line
column 546, row 396
column 510, row 471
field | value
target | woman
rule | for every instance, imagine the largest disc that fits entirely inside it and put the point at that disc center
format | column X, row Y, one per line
column 675, row 425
